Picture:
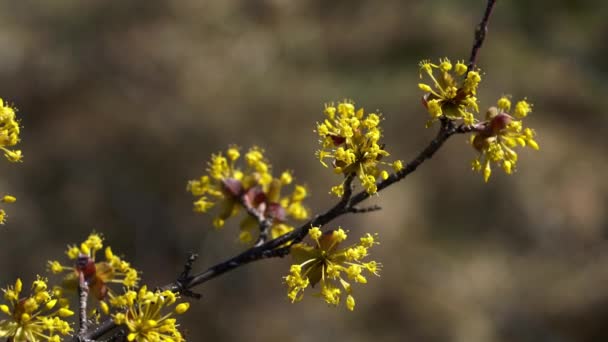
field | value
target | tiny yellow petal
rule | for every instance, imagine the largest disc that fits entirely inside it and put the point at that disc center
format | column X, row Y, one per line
column 182, row 307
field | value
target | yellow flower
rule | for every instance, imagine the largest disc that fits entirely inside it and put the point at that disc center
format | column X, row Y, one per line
column 332, row 267
column 36, row 317
column 9, row 132
column 147, row 315
column 500, row 135
column 231, row 183
column 9, row 137
column 351, row 140
column 452, row 93
column 8, row 199
column 99, row 274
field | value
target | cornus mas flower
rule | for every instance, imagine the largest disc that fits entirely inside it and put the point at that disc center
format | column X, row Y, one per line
column 5, row 199
column 9, row 132
column 35, row 317
column 499, row 134
column 350, row 138
column 452, row 92
column 97, row 274
column 333, row 267
column 232, row 184
column 148, row 315
column 9, row 136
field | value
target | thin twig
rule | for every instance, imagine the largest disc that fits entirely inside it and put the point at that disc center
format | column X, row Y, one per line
column 83, row 294
column 185, row 276
column 357, row 210
column 480, row 34
column 265, row 225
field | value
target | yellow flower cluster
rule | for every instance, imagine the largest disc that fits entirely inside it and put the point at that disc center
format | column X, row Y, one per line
column 501, row 133
column 145, row 314
column 324, row 262
column 351, row 139
column 5, row 199
column 97, row 273
column 36, row 317
column 9, row 132
column 496, row 136
column 230, row 185
column 9, row 136
column 452, row 93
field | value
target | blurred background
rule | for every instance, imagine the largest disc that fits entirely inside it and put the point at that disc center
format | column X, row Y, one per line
column 122, row 102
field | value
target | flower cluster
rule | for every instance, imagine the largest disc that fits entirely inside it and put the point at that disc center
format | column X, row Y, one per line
column 499, row 134
column 9, row 136
column 452, row 93
column 145, row 314
column 36, row 317
column 5, row 199
column 9, row 132
column 496, row 136
column 327, row 264
column 231, row 186
column 96, row 273
column 350, row 138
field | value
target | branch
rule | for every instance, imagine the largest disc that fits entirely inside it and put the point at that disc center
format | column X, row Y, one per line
column 280, row 246
column 345, row 205
column 277, row 248
column 480, row 34
column 357, row 210
column 83, row 294
column 183, row 278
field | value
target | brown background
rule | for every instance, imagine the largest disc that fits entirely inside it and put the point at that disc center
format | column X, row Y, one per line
column 123, row 102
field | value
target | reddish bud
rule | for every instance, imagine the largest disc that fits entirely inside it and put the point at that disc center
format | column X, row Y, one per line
column 337, row 140
column 500, row 122
column 254, row 197
column 479, row 141
column 425, row 101
column 232, row 187
column 276, row 212
column 86, row 266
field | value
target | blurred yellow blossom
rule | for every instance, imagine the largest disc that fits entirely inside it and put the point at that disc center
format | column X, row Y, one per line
column 325, row 263
column 9, row 132
column 35, row 317
column 9, row 137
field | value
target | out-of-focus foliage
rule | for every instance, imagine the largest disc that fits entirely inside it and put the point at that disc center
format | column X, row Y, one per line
column 122, row 102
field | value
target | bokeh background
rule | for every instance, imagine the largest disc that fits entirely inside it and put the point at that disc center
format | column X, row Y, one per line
column 122, row 102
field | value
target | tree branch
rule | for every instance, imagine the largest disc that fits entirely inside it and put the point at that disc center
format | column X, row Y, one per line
column 83, row 294
column 480, row 34
column 280, row 246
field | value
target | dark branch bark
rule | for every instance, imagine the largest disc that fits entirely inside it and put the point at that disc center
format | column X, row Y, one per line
column 83, row 294
column 480, row 34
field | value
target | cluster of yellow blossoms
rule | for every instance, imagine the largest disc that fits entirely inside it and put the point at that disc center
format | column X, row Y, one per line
column 9, row 136
column 146, row 316
column 325, row 263
column 36, row 317
column 494, row 137
column 351, row 139
column 231, row 186
column 98, row 274
column 501, row 133
column 453, row 92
